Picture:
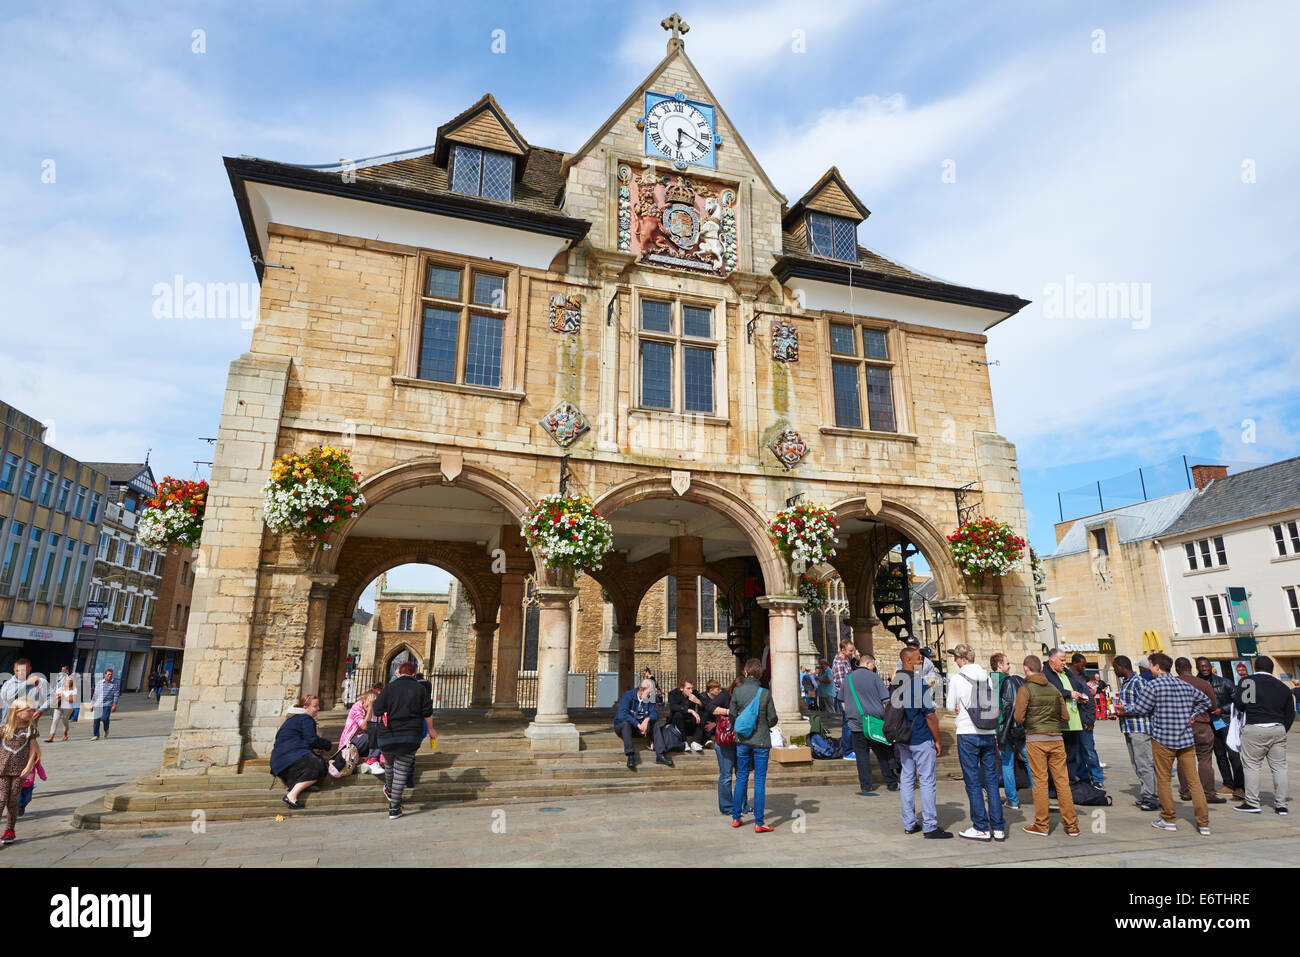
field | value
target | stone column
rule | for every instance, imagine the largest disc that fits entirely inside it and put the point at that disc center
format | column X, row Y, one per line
column 481, row 696
column 626, row 656
column 317, row 601
column 783, row 620
column 551, row 731
column 510, row 646
column 686, row 562
column 862, row 637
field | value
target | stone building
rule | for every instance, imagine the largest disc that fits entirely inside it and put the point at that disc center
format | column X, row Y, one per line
column 644, row 317
column 51, row 508
column 127, row 579
column 171, row 610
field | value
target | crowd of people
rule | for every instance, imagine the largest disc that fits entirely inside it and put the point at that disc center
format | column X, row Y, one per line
column 1034, row 729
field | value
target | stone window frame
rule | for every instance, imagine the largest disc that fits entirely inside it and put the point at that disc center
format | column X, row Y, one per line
column 895, row 364
column 717, row 343
column 409, row 620
column 409, row 368
column 670, row 608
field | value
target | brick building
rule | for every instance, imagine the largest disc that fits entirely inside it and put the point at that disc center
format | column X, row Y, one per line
column 646, row 313
column 51, row 508
column 171, row 610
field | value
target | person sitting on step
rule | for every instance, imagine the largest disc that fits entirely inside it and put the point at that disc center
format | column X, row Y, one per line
column 293, row 756
column 686, row 712
column 636, row 717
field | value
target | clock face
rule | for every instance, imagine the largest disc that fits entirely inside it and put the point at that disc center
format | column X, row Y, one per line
column 681, row 131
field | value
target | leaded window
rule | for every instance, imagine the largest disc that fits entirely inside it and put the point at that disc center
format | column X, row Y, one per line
column 462, row 325
column 833, row 236
column 861, row 361
column 677, row 356
column 477, row 172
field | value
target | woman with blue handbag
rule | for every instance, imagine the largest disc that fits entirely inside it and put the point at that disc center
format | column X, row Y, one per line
column 755, row 717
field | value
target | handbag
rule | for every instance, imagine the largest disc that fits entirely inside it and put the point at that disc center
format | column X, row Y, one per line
column 724, row 733
column 872, row 728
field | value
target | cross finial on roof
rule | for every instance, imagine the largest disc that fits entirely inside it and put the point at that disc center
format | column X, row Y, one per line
column 678, row 26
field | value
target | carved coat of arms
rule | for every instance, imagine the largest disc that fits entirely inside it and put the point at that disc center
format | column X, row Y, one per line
column 566, row 313
column 678, row 222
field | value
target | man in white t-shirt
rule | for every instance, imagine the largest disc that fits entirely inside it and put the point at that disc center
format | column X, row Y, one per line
column 977, row 749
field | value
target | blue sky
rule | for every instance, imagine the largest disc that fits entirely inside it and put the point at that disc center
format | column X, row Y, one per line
column 1122, row 166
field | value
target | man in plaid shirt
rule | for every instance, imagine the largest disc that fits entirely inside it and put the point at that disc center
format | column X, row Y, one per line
column 1171, row 703
column 1137, row 734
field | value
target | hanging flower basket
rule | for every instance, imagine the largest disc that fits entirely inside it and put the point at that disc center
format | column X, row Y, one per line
column 308, row 494
column 174, row 516
column 568, row 532
column 1036, row 563
column 986, row 548
column 814, row 592
column 804, row 534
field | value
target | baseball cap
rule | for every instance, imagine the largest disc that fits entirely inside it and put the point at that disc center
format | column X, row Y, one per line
column 962, row 651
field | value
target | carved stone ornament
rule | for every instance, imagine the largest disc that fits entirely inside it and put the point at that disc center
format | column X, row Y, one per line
column 566, row 314
column 785, row 341
column 789, row 447
column 565, row 424
column 681, row 481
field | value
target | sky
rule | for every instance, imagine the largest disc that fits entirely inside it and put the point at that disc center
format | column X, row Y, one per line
column 1020, row 147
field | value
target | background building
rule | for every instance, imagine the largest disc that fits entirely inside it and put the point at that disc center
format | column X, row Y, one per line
column 127, row 580
column 171, row 610
column 51, row 507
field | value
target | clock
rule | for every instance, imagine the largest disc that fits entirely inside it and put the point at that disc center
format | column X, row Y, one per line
column 680, row 130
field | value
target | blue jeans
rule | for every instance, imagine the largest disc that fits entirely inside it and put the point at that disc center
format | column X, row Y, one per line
column 726, row 769
column 749, row 758
column 1089, row 766
column 1009, row 772
column 102, row 714
column 978, row 754
column 918, row 763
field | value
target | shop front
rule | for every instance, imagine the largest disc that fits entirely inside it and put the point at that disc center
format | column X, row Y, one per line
column 48, row 649
column 127, row 654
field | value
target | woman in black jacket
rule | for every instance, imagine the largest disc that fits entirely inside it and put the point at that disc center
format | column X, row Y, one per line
column 293, row 759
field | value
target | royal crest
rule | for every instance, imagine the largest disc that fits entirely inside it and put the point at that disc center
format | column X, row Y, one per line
column 676, row 221
column 789, row 447
column 566, row 313
column 565, row 424
column 785, row 341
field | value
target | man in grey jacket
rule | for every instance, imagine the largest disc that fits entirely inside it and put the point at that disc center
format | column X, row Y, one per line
column 872, row 694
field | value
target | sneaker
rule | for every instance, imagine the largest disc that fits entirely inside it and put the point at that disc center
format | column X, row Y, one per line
column 763, row 828
column 695, row 746
column 1245, row 808
column 386, row 797
column 708, row 743
column 1148, row 806
column 1164, row 825
column 1072, row 832
column 850, row 756
column 1281, row 809
column 866, row 794
column 1031, row 829
column 9, row 836
column 1203, row 831
column 913, row 829
column 972, row 834
column 1215, row 799
column 1011, row 806
column 394, row 813
column 937, row 834
column 1102, row 765
column 999, row 835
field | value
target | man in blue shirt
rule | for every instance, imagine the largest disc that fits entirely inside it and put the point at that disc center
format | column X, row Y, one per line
column 918, row 759
column 104, row 702
column 1137, row 734
column 1171, row 704
column 637, row 717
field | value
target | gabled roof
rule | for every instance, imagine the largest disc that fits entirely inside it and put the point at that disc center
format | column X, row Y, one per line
column 120, row 473
column 830, row 194
column 1133, row 523
column 1261, row 491
column 483, row 124
column 674, row 51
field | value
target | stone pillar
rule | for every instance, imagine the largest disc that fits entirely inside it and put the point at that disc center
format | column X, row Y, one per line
column 317, row 601
column 481, row 696
column 510, row 646
column 783, row 620
column 686, row 563
column 551, row 731
column 626, row 656
column 862, row 637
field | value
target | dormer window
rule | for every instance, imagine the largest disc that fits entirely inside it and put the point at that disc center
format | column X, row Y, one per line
column 833, row 236
column 477, row 172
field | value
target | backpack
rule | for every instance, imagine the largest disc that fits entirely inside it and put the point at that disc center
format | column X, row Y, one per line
column 985, row 709
column 821, row 746
column 898, row 727
column 744, row 724
column 1087, row 794
column 671, row 738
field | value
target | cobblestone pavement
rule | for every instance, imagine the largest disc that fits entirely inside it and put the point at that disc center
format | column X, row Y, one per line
column 814, row 827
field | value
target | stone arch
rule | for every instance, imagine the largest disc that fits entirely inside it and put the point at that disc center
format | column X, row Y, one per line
column 406, row 646
column 472, row 571
column 721, row 500
column 418, row 473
